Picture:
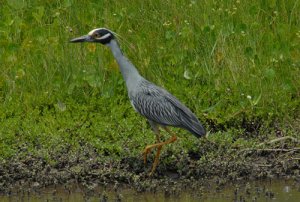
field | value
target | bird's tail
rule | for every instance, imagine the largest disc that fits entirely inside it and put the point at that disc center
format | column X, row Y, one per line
column 197, row 129
column 192, row 124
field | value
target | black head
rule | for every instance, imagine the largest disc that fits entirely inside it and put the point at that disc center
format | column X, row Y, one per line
column 99, row 35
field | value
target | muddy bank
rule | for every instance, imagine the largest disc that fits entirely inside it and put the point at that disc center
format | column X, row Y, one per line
column 208, row 162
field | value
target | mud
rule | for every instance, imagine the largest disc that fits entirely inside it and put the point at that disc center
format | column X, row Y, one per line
column 176, row 171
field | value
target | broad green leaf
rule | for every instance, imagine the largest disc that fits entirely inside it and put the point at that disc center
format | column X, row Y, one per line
column 17, row 4
column 270, row 73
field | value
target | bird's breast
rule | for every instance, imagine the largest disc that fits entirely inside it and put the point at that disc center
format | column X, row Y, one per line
column 132, row 104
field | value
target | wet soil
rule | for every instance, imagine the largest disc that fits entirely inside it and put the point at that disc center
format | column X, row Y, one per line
column 176, row 171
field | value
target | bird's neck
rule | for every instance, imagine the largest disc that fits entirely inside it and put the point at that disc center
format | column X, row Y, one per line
column 129, row 72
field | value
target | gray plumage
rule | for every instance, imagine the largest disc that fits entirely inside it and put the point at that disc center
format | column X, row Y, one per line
column 162, row 108
column 151, row 101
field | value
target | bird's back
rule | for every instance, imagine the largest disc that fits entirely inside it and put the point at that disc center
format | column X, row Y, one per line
column 161, row 107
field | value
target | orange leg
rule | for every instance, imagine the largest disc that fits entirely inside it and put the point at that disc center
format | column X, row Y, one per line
column 159, row 147
column 147, row 150
column 156, row 160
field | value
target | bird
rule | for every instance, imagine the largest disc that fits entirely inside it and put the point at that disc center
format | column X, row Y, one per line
column 156, row 104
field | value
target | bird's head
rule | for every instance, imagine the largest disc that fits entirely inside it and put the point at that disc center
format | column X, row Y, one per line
column 99, row 35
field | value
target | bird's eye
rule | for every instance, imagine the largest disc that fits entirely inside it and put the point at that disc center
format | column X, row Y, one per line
column 96, row 35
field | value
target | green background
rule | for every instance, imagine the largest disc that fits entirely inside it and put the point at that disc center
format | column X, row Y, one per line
column 236, row 64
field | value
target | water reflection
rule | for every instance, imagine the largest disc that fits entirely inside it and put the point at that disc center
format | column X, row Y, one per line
column 254, row 191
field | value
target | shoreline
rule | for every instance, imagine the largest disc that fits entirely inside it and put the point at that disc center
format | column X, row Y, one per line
column 177, row 170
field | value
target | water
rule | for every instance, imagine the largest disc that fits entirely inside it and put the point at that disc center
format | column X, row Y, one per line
column 255, row 191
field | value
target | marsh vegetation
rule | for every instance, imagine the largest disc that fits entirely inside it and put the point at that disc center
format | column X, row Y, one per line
column 64, row 111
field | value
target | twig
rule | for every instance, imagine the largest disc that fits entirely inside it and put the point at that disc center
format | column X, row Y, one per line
column 263, row 165
column 271, row 150
column 280, row 139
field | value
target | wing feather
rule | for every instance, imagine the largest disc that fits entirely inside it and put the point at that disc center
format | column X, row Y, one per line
column 158, row 105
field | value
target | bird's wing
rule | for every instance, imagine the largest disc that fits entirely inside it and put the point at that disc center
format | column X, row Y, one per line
column 160, row 106
column 187, row 118
column 154, row 106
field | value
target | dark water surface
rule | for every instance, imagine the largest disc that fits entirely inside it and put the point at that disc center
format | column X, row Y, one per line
column 279, row 190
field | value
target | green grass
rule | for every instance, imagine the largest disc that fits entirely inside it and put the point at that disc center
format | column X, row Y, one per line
column 234, row 63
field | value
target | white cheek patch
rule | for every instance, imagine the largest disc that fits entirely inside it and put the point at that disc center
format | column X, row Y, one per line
column 91, row 32
column 105, row 36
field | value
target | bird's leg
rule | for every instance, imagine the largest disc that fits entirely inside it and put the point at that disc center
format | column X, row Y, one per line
column 149, row 147
column 147, row 150
column 170, row 132
column 155, row 129
column 158, row 137
column 156, row 160
column 159, row 147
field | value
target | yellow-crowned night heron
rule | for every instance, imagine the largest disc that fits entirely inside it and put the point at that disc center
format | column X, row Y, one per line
column 155, row 103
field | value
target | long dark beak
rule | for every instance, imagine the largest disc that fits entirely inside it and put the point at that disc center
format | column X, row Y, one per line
column 85, row 38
